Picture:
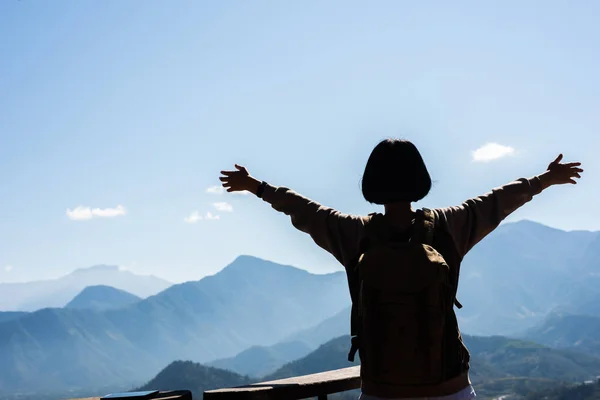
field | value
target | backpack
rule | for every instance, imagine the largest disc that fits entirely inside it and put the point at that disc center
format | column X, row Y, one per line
column 402, row 306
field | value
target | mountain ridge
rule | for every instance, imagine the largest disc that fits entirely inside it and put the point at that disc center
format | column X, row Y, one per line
column 35, row 295
column 258, row 361
column 102, row 297
column 568, row 331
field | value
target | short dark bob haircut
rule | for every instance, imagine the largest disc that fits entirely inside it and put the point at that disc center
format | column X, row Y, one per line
column 395, row 172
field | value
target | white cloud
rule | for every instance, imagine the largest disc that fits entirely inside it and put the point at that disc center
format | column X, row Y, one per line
column 222, row 206
column 491, row 152
column 8, row 268
column 215, row 190
column 82, row 213
column 195, row 217
column 211, row 216
column 109, row 212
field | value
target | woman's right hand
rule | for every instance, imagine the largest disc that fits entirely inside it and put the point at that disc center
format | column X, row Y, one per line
column 559, row 174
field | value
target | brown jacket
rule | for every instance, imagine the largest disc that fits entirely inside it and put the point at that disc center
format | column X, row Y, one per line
column 463, row 226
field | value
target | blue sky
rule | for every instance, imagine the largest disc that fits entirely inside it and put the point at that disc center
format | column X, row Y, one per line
column 130, row 110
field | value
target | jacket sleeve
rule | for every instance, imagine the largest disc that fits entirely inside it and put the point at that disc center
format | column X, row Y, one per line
column 339, row 234
column 475, row 218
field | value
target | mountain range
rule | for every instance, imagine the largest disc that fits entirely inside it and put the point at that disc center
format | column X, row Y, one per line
column 250, row 302
column 332, row 327
column 512, row 283
column 33, row 296
column 9, row 315
column 576, row 332
column 524, row 271
column 259, row 361
column 102, row 297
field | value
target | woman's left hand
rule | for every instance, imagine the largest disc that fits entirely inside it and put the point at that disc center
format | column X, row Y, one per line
column 239, row 180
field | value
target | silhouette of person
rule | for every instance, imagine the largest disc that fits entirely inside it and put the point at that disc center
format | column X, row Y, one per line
column 395, row 176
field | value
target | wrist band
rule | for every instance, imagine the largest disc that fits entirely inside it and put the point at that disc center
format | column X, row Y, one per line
column 261, row 189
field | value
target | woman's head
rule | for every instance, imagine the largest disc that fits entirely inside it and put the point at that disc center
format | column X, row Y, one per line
column 395, row 172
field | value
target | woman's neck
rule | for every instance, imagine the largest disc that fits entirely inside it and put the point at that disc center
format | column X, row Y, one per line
column 399, row 214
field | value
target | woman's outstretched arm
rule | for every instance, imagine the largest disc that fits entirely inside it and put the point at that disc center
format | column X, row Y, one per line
column 476, row 218
column 339, row 234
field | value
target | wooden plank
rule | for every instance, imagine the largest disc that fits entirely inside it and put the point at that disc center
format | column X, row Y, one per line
column 158, row 398
column 298, row 387
column 87, row 398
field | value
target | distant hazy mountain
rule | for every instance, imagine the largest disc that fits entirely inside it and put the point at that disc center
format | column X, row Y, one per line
column 186, row 375
column 589, row 306
column 102, row 297
column 57, row 349
column 577, row 332
column 330, row 328
column 36, row 295
column 9, row 315
column 250, row 302
column 329, row 356
column 527, row 359
column 259, row 361
column 523, row 271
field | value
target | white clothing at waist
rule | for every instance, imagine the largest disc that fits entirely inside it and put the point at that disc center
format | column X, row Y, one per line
column 467, row 393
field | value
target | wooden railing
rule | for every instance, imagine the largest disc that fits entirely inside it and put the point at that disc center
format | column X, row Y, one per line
column 299, row 387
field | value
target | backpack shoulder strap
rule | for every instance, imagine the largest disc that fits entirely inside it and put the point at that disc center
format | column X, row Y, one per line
column 426, row 224
column 376, row 230
column 372, row 234
column 429, row 223
column 424, row 227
